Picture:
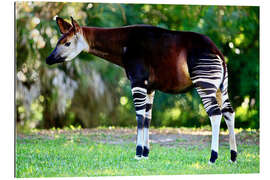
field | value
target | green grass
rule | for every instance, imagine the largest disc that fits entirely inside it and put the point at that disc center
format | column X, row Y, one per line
column 80, row 155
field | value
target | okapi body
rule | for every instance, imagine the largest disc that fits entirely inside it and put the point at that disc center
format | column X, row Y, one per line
column 157, row 59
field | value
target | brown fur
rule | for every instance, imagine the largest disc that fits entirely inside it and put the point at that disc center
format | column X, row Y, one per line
column 164, row 53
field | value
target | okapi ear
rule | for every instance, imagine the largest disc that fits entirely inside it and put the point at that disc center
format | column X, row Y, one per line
column 75, row 25
column 63, row 25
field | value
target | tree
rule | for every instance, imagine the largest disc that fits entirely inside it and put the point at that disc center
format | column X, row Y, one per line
column 91, row 92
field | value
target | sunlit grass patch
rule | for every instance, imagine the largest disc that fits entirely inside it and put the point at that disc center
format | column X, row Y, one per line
column 78, row 154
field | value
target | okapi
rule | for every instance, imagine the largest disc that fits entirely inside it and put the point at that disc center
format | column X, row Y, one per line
column 157, row 59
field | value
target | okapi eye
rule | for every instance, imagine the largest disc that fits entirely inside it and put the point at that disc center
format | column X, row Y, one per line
column 67, row 44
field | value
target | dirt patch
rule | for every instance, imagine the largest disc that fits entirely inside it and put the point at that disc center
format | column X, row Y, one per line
column 170, row 137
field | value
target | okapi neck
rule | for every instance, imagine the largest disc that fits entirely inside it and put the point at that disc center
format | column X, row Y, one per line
column 105, row 43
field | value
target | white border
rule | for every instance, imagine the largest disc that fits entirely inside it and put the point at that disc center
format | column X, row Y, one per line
column 189, row 2
column 7, row 85
column 7, row 90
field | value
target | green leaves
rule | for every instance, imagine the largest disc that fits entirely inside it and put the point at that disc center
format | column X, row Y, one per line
column 235, row 30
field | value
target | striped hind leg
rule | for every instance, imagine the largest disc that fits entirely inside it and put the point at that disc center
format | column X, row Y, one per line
column 213, row 110
column 229, row 114
column 206, row 75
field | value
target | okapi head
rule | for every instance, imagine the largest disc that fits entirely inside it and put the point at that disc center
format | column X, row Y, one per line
column 70, row 44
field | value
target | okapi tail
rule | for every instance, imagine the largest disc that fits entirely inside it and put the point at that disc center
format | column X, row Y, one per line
column 219, row 53
column 224, row 83
column 223, row 92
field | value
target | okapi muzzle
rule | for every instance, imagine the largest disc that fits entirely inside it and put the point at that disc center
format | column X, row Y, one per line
column 70, row 44
column 54, row 58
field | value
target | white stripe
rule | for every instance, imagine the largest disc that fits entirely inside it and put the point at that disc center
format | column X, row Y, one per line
column 210, row 71
column 143, row 102
column 148, row 114
column 139, row 104
column 135, row 99
column 208, row 66
column 205, row 77
column 217, row 59
column 210, row 59
column 141, row 112
column 206, row 89
column 138, row 89
column 140, row 92
column 215, row 82
column 210, row 106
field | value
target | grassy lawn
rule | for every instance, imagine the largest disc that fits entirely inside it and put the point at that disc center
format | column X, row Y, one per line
column 108, row 153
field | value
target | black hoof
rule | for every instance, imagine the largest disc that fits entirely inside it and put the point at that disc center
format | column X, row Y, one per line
column 233, row 155
column 139, row 151
column 214, row 156
column 145, row 151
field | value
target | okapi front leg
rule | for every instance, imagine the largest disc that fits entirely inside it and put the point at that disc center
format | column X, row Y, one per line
column 138, row 75
column 147, row 121
column 139, row 99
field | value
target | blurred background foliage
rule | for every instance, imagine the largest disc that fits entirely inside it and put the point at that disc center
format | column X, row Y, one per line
column 91, row 92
